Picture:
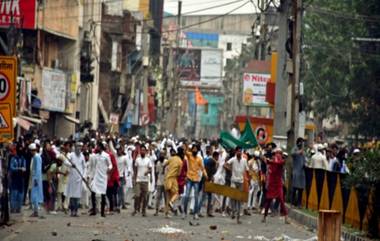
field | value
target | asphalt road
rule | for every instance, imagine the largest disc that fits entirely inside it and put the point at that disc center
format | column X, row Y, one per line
column 125, row 227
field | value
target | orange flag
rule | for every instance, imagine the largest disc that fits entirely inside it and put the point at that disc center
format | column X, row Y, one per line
column 199, row 99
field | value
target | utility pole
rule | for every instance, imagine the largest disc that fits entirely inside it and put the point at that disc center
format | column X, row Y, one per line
column 176, row 75
column 262, row 30
column 143, row 85
column 280, row 130
column 295, row 79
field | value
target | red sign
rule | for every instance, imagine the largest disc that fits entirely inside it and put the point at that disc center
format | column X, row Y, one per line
column 21, row 12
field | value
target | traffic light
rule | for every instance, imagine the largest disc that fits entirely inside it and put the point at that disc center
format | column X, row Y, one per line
column 86, row 63
column 18, row 93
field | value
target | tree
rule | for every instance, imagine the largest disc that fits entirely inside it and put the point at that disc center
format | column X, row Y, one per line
column 340, row 76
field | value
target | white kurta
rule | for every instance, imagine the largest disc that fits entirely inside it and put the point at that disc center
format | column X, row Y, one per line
column 129, row 171
column 64, row 170
column 74, row 183
column 152, row 181
column 101, row 167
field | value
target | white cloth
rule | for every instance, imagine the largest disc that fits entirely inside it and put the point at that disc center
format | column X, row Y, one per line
column 238, row 169
column 91, row 166
column 122, row 164
column 64, row 172
column 142, row 165
column 152, row 181
column 102, row 164
column 121, row 161
column 74, row 184
column 160, row 170
column 319, row 161
column 220, row 175
column 129, row 171
column 235, row 133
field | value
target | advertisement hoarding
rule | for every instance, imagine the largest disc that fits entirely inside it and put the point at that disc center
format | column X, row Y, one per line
column 211, row 67
column 21, row 12
column 54, row 90
column 197, row 67
column 255, row 88
column 188, row 65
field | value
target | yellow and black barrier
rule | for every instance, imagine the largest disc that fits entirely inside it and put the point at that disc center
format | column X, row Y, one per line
column 324, row 191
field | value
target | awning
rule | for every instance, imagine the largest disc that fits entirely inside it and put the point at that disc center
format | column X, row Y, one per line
column 23, row 123
column 31, row 119
column 72, row 119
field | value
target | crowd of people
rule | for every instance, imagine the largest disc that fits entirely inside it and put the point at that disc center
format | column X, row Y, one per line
column 167, row 175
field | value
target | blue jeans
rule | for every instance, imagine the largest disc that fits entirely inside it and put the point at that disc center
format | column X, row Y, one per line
column 209, row 201
column 16, row 200
column 189, row 185
column 120, row 193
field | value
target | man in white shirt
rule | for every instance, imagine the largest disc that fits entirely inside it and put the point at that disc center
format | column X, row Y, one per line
column 318, row 160
column 77, row 172
column 159, row 176
column 129, row 172
column 142, row 166
column 238, row 166
column 102, row 165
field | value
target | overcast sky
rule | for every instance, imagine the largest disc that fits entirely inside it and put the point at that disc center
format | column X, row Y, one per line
column 171, row 6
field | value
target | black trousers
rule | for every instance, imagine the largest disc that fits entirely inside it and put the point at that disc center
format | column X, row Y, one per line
column 297, row 196
column 102, row 204
column 112, row 196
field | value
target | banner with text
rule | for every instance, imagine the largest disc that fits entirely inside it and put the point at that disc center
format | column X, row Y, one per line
column 255, row 88
column 21, row 13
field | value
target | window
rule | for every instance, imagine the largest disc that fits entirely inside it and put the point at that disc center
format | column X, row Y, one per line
column 229, row 62
column 229, row 46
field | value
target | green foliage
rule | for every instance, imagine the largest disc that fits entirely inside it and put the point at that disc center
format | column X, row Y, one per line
column 365, row 170
column 340, row 77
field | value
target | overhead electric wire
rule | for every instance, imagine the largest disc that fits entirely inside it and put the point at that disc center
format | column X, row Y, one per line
column 195, row 24
column 143, row 20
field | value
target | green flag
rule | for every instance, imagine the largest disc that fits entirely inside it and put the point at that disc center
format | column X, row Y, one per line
column 248, row 136
column 246, row 141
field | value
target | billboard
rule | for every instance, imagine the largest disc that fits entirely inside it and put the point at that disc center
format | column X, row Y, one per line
column 54, row 89
column 255, row 89
column 195, row 39
column 188, row 63
column 211, row 67
column 21, row 12
column 197, row 67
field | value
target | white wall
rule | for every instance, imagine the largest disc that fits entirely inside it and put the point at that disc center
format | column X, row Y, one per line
column 236, row 41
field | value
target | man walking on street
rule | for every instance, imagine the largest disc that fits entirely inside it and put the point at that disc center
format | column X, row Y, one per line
column 211, row 166
column 194, row 168
column 159, row 176
column 298, row 180
column 17, row 170
column 113, row 184
column 101, row 166
column 275, row 184
column 36, row 194
column 173, row 170
column 238, row 166
column 143, row 166
column 74, row 186
column 63, row 174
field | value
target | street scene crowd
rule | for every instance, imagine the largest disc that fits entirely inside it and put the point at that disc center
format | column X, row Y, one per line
column 168, row 175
